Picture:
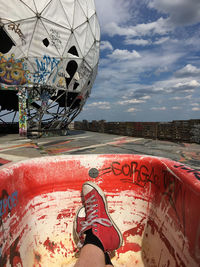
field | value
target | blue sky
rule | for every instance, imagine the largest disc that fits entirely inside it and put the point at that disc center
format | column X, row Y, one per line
column 149, row 67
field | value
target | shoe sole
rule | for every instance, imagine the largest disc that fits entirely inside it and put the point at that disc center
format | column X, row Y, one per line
column 101, row 193
column 75, row 233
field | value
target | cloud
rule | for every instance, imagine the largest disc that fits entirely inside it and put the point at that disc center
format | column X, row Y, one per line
column 160, row 26
column 106, row 45
column 161, row 70
column 121, row 55
column 145, row 42
column 195, row 104
column 113, row 11
column 181, row 12
column 176, row 108
column 131, row 110
column 146, row 97
column 147, row 92
column 189, row 86
column 181, row 97
column 188, row 71
column 196, row 109
column 139, row 42
column 158, row 108
column 161, row 40
column 99, row 105
column 131, row 101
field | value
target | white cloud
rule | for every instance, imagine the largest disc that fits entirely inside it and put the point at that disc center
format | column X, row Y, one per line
column 160, row 26
column 99, row 105
column 113, row 11
column 106, row 45
column 196, row 109
column 146, row 97
column 158, row 108
column 176, row 108
column 181, row 97
column 145, row 42
column 161, row 70
column 181, row 12
column 139, row 42
column 188, row 70
column 131, row 101
column 124, row 55
column 195, row 104
column 188, row 86
column 131, row 110
column 161, row 40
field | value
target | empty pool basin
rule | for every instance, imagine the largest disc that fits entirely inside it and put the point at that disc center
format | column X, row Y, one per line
column 154, row 201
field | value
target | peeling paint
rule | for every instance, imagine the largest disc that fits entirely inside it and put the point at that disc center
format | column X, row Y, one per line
column 154, row 203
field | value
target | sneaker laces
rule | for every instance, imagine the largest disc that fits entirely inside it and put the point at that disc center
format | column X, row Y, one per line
column 92, row 219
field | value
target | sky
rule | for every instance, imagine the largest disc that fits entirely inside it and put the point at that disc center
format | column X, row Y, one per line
column 149, row 66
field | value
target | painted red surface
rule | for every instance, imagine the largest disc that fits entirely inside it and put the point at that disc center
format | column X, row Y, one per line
column 3, row 161
column 155, row 201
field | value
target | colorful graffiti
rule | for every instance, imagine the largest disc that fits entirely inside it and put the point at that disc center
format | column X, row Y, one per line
column 22, row 112
column 45, row 67
column 13, row 71
column 8, row 203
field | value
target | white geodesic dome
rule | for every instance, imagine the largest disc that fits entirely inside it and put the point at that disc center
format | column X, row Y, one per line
column 51, row 48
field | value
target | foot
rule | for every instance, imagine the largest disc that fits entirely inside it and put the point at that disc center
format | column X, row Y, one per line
column 98, row 218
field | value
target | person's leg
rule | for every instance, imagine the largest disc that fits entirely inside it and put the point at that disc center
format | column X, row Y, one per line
column 94, row 221
column 91, row 256
column 98, row 220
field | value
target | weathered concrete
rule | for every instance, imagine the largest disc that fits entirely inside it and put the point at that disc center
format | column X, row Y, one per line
column 14, row 148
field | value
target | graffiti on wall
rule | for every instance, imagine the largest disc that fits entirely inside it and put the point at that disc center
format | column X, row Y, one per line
column 55, row 39
column 8, row 203
column 45, row 67
column 16, row 28
column 141, row 175
column 196, row 173
column 22, row 96
column 13, row 71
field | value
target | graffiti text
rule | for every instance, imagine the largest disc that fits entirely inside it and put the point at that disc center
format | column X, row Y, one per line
column 188, row 170
column 141, row 174
column 45, row 68
column 7, row 204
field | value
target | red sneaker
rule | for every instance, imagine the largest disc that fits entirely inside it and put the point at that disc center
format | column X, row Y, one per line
column 98, row 218
column 79, row 221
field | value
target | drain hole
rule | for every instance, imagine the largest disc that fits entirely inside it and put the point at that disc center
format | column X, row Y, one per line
column 93, row 173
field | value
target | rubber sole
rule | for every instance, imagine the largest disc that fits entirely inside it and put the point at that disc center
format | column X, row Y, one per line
column 75, row 233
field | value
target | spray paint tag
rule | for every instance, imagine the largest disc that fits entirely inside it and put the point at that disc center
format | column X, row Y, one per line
column 8, row 203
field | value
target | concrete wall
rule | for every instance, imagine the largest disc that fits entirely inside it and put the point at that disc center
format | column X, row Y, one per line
column 176, row 131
